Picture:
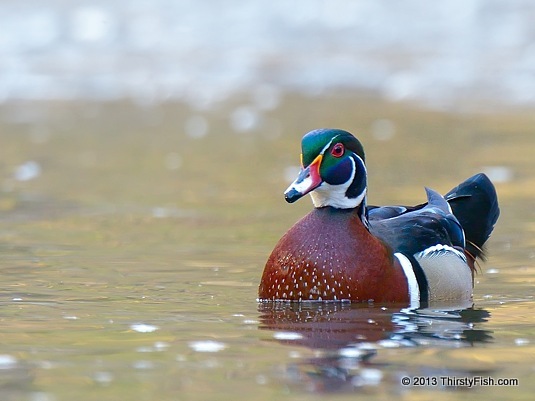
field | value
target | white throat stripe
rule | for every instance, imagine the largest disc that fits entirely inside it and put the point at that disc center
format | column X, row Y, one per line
column 335, row 195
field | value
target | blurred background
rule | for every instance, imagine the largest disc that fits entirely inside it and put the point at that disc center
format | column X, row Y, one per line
column 460, row 54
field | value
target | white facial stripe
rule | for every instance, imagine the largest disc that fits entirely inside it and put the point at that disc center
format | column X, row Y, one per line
column 412, row 283
column 335, row 195
column 327, row 146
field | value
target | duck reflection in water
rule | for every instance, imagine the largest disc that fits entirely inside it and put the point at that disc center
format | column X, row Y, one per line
column 347, row 337
column 338, row 325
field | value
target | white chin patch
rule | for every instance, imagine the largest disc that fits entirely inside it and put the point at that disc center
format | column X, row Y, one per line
column 335, row 196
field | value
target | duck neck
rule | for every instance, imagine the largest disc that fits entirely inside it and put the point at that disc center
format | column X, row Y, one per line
column 350, row 194
column 359, row 210
column 325, row 197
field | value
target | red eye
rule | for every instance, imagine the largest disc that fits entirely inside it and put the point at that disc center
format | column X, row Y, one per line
column 337, row 150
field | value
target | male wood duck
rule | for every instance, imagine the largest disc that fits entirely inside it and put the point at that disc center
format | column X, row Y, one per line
column 344, row 250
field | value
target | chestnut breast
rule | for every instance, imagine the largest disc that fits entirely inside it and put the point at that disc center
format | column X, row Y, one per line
column 330, row 255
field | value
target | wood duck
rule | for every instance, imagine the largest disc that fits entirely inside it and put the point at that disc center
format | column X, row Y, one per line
column 344, row 250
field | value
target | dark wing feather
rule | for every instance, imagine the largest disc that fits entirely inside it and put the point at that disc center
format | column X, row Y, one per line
column 416, row 230
column 474, row 203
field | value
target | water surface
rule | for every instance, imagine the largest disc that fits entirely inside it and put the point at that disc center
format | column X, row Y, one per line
column 132, row 241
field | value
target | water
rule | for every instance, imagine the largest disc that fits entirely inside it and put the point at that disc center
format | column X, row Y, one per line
column 132, row 241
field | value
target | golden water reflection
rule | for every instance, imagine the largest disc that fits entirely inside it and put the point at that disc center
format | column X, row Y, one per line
column 131, row 249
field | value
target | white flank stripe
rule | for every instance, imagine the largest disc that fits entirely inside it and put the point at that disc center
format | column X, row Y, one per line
column 412, row 283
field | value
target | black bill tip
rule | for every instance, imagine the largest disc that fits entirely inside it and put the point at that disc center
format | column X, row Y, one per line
column 292, row 195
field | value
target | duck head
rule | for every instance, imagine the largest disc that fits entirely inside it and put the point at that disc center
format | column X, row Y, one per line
column 332, row 170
